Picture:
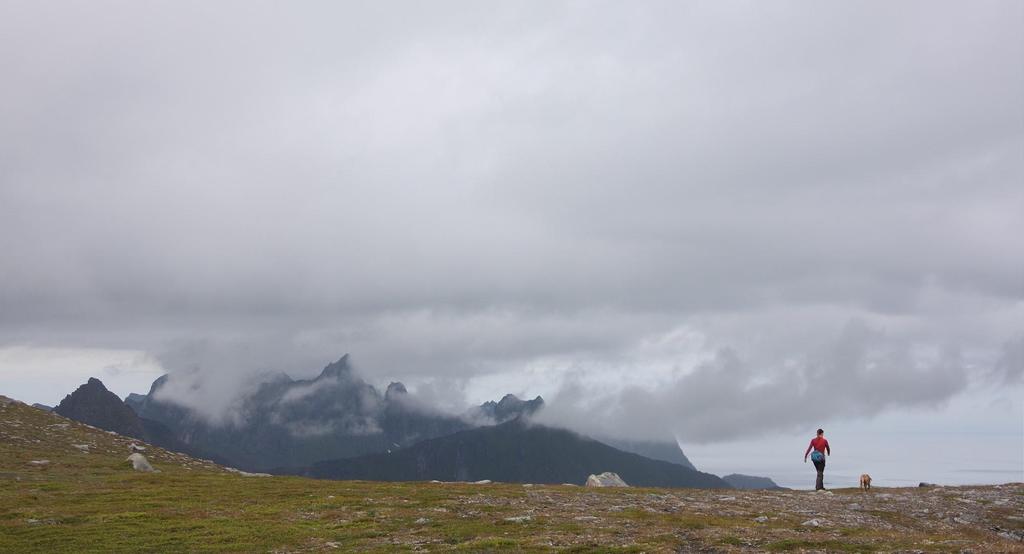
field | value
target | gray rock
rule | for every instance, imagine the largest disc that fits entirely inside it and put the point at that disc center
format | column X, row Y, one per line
column 606, row 479
column 761, row 519
column 1011, row 536
column 811, row 523
column 518, row 519
column 139, row 462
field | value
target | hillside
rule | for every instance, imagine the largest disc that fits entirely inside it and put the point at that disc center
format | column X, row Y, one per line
column 86, row 499
column 513, row 452
column 740, row 481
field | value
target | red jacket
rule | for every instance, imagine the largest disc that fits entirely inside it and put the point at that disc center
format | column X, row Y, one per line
column 820, row 444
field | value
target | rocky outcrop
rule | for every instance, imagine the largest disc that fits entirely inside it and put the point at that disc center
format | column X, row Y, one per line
column 606, row 479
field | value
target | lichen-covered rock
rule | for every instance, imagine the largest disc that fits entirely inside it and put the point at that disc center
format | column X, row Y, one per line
column 606, row 479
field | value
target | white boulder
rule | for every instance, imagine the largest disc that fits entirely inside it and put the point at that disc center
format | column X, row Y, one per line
column 139, row 462
column 606, row 479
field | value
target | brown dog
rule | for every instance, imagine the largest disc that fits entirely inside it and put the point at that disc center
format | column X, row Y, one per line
column 865, row 482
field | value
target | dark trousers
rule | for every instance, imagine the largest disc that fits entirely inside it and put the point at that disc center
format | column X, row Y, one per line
column 820, row 483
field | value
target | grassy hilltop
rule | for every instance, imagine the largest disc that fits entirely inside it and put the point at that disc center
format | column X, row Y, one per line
column 86, row 498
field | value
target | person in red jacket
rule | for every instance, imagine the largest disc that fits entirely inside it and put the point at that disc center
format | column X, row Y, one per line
column 820, row 446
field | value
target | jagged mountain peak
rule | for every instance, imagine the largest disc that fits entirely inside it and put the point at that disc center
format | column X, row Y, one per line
column 509, row 407
column 394, row 390
column 340, row 368
column 92, row 403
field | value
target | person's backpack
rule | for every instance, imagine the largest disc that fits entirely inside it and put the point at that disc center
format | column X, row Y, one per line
column 817, row 456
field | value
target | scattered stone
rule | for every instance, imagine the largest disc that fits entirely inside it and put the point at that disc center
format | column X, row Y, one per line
column 606, row 479
column 332, row 545
column 82, row 447
column 519, row 519
column 761, row 519
column 40, row 462
column 247, row 474
column 1012, row 536
column 726, row 498
column 422, row 521
column 811, row 523
column 586, row 518
column 136, row 448
column 482, row 482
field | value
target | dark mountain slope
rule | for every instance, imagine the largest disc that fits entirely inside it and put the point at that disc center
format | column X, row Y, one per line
column 93, row 404
column 664, row 451
column 513, row 452
column 750, row 482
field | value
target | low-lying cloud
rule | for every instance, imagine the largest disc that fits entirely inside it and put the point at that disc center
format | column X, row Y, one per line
column 859, row 374
column 479, row 200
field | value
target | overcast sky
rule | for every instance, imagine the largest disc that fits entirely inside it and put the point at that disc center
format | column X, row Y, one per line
column 711, row 219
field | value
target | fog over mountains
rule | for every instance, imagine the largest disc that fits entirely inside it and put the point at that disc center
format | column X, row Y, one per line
column 666, row 218
column 339, row 427
column 293, row 423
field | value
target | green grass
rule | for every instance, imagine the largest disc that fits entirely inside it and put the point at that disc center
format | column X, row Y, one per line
column 791, row 545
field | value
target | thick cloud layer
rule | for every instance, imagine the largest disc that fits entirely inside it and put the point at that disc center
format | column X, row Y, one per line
column 519, row 195
column 859, row 374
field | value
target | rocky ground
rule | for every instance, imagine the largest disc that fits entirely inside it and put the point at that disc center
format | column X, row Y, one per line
column 66, row 486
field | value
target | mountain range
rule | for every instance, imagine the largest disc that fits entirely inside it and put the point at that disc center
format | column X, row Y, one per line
column 338, row 426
